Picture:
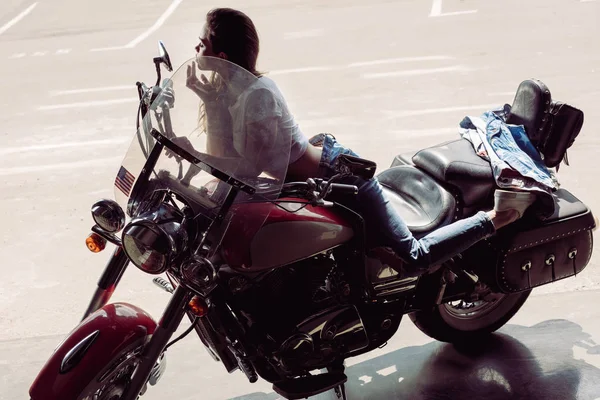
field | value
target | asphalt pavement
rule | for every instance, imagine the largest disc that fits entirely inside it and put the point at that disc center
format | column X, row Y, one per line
column 385, row 77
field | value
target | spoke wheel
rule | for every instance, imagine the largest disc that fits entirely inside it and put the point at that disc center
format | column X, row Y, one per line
column 112, row 383
column 462, row 309
column 461, row 320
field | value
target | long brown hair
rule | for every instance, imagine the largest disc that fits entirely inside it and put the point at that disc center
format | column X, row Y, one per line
column 233, row 33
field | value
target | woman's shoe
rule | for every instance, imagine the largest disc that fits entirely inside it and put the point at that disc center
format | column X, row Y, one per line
column 505, row 200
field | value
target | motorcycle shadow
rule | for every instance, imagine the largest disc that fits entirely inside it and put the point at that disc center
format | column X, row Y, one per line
column 546, row 361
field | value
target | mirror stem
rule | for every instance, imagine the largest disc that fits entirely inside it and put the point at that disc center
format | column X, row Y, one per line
column 157, row 62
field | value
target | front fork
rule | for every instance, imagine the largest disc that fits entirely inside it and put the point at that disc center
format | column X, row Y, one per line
column 168, row 324
column 108, row 281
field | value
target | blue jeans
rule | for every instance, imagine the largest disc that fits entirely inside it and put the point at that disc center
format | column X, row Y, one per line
column 385, row 227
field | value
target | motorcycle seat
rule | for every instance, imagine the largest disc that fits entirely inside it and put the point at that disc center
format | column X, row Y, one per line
column 419, row 199
column 456, row 163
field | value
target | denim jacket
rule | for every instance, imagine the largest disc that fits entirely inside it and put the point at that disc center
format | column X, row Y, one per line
column 516, row 164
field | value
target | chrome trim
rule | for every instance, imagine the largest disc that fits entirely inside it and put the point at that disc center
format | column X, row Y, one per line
column 74, row 356
column 110, row 212
column 388, row 292
column 158, row 370
column 199, row 274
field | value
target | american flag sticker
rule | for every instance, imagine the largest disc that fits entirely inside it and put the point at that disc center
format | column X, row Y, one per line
column 124, row 181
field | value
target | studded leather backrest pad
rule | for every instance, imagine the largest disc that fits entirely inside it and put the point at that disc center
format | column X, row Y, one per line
column 552, row 126
column 529, row 108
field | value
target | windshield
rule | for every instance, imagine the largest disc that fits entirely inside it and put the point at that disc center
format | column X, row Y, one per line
column 212, row 125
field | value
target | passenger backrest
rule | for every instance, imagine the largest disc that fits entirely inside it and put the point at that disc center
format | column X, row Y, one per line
column 530, row 107
column 552, row 126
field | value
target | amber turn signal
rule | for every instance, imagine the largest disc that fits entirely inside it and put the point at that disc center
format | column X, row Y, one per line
column 198, row 306
column 95, row 243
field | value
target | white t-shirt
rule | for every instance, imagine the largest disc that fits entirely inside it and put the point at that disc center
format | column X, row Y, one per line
column 268, row 102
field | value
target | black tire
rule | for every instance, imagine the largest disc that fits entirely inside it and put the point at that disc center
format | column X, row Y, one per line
column 116, row 378
column 446, row 324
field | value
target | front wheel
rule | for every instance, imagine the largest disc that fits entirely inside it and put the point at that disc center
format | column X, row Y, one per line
column 113, row 381
column 96, row 360
column 462, row 321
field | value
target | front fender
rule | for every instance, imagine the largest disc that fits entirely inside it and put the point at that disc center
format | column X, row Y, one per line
column 89, row 348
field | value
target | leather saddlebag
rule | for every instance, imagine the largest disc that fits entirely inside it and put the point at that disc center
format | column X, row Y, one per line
column 563, row 124
column 533, row 253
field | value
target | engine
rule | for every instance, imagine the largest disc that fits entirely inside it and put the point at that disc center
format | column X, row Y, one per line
column 300, row 314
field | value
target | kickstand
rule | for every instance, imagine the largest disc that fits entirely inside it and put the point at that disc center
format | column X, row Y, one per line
column 340, row 392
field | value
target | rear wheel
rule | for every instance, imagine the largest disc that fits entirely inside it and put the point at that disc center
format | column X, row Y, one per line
column 461, row 321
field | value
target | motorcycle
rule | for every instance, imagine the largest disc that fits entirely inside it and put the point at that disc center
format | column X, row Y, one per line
column 277, row 280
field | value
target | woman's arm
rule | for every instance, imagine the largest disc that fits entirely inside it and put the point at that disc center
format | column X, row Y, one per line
column 262, row 143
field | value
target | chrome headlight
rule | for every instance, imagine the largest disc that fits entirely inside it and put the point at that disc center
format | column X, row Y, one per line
column 154, row 240
column 108, row 215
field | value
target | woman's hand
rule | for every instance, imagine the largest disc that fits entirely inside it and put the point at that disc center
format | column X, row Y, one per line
column 182, row 142
column 202, row 87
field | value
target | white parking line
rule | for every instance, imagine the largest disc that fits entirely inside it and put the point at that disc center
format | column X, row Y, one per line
column 324, row 68
column 110, row 48
column 58, row 52
column 16, row 19
column 159, row 22
column 92, row 90
column 391, row 114
column 457, row 13
column 88, row 104
column 60, row 166
column 410, row 133
column 44, row 147
column 415, row 72
column 398, row 61
column 300, row 70
column 436, row 10
column 362, row 64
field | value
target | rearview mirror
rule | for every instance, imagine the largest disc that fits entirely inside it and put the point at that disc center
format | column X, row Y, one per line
column 164, row 56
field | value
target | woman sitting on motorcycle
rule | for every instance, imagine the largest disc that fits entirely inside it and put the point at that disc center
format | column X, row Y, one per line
column 230, row 34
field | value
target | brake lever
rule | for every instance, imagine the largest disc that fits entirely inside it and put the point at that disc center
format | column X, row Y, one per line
column 326, row 189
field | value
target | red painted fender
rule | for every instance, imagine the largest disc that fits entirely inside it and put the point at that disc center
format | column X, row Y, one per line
column 91, row 346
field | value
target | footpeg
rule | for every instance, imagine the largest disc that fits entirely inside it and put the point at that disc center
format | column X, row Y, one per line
column 158, row 370
column 302, row 388
column 163, row 284
column 472, row 277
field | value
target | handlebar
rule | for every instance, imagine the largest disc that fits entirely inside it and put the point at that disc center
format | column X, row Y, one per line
column 344, row 189
column 317, row 189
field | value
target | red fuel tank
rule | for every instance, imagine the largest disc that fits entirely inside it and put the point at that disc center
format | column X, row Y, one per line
column 265, row 235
